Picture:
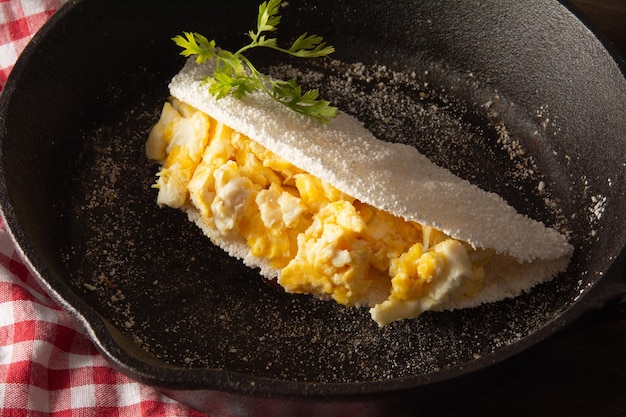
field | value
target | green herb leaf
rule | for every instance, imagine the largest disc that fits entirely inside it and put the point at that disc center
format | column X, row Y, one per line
column 310, row 46
column 235, row 75
column 268, row 16
column 290, row 94
column 196, row 44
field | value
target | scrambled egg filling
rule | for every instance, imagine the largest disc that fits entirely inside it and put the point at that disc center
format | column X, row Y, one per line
column 322, row 241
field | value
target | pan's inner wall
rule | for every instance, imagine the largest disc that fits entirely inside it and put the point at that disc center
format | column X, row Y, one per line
column 155, row 277
column 159, row 280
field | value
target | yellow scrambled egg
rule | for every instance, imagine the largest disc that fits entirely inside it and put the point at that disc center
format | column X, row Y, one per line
column 323, row 241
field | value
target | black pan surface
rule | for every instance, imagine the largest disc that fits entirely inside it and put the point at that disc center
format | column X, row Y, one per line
column 519, row 98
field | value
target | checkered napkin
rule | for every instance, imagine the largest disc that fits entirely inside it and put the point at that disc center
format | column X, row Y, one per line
column 48, row 365
column 19, row 20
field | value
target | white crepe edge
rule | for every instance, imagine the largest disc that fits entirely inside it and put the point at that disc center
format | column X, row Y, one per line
column 349, row 157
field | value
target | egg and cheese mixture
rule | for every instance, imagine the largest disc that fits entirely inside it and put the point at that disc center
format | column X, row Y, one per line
column 322, row 241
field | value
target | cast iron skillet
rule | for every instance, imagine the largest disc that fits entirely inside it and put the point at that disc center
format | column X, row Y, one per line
column 518, row 97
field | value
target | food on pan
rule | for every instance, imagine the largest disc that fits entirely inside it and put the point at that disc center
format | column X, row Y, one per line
column 328, row 209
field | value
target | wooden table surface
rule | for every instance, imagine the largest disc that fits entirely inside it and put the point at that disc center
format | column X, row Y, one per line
column 582, row 371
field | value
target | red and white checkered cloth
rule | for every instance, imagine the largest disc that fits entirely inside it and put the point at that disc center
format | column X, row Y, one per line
column 19, row 20
column 48, row 365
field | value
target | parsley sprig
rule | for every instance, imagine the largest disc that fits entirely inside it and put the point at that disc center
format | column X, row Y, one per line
column 235, row 75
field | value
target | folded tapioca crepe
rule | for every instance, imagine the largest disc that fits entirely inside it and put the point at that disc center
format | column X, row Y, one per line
column 330, row 210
